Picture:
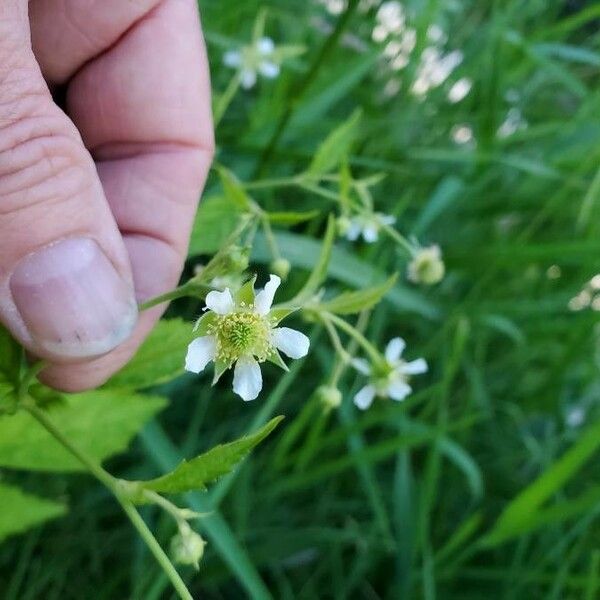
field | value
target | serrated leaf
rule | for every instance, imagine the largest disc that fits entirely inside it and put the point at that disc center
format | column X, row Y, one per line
column 101, row 423
column 234, row 190
column 21, row 511
column 206, row 468
column 336, row 146
column 159, row 359
column 216, row 220
column 350, row 303
column 292, row 218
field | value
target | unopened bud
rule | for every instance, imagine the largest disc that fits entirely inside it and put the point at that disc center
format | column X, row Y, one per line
column 427, row 266
column 330, row 396
column 238, row 259
column 187, row 547
column 281, row 267
column 343, row 225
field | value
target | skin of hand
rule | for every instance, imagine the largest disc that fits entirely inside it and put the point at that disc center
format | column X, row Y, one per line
column 97, row 201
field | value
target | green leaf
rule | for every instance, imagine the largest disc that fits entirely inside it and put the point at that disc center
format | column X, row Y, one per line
column 292, row 218
column 350, row 303
column 234, row 191
column 21, row 511
column 336, row 147
column 246, row 293
column 516, row 517
column 10, row 356
column 159, row 359
column 319, row 271
column 101, row 423
column 216, row 220
column 206, row 468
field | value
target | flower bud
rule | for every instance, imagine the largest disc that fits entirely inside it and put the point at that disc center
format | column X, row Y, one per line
column 329, row 396
column 343, row 225
column 281, row 267
column 427, row 266
column 237, row 258
column 187, row 547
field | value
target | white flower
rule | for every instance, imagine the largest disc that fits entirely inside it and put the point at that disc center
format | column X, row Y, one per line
column 243, row 331
column 368, row 225
column 389, row 379
column 427, row 266
column 257, row 58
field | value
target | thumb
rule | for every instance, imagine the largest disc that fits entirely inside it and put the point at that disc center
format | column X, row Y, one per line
column 66, row 290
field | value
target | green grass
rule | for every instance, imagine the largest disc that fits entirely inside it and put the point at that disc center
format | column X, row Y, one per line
column 400, row 501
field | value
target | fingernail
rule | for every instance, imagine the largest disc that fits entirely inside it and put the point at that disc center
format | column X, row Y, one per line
column 72, row 300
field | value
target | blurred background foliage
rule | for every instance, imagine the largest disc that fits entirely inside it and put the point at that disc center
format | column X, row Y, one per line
column 502, row 170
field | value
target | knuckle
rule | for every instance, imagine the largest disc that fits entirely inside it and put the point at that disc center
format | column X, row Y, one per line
column 40, row 161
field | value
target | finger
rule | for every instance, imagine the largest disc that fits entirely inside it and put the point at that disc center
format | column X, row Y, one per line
column 143, row 108
column 65, row 282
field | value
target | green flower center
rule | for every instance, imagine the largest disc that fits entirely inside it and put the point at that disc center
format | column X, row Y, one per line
column 242, row 333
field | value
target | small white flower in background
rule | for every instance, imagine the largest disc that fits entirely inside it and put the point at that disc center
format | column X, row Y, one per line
column 427, row 266
column 367, row 224
column 513, row 122
column 462, row 134
column 575, row 416
column 459, row 90
column 389, row 380
column 434, row 69
column 243, row 331
column 257, row 58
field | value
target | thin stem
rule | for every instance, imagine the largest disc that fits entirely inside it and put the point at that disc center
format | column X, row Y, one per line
column 275, row 182
column 273, row 248
column 113, row 485
column 223, row 102
column 355, row 334
column 187, row 289
column 400, row 239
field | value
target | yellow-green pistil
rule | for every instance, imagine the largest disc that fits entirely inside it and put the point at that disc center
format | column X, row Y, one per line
column 242, row 333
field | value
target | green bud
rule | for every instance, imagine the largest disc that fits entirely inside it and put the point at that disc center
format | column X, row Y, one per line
column 238, row 258
column 281, row 267
column 187, row 547
column 427, row 266
column 343, row 225
column 330, row 396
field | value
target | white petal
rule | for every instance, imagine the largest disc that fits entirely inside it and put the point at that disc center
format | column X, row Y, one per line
column 415, row 367
column 291, row 342
column 247, row 78
column 394, row 349
column 364, row 397
column 387, row 219
column 370, row 233
column 220, row 302
column 264, row 298
column 361, row 365
column 398, row 390
column 232, row 58
column 269, row 69
column 199, row 353
column 265, row 45
column 247, row 378
column 354, row 230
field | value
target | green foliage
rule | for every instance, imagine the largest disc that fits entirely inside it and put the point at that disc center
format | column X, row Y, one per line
column 336, row 147
column 159, row 359
column 208, row 467
column 20, row 511
column 102, row 423
column 350, row 303
column 217, row 218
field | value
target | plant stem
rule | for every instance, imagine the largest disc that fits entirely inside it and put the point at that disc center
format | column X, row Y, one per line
column 113, row 485
column 355, row 334
column 180, row 292
column 223, row 102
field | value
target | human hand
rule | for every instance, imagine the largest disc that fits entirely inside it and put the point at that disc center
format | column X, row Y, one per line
column 96, row 205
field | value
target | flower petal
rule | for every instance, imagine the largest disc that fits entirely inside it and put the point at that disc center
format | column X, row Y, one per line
column 370, row 233
column 291, row 342
column 247, row 78
column 354, row 230
column 199, row 353
column 364, row 397
column 415, row 367
column 361, row 365
column 232, row 58
column 264, row 298
column 220, row 302
column 265, row 45
column 398, row 390
column 269, row 69
column 247, row 379
column 394, row 349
